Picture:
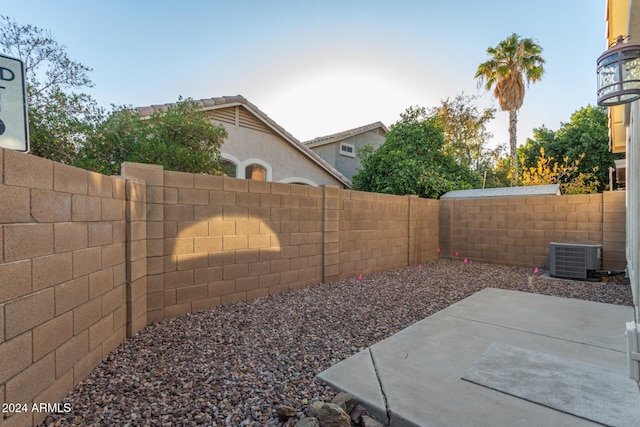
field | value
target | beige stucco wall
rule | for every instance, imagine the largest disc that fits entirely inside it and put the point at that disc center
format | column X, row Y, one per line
column 284, row 162
column 347, row 165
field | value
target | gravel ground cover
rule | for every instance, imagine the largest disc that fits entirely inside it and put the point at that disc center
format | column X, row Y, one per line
column 233, row 365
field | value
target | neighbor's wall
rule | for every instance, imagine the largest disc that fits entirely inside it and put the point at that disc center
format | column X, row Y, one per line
column 217, row 240
column 518, row 230
column 369, row 232
column 63, row 278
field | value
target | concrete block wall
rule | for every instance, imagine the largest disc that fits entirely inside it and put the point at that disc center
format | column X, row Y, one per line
column 368, row 232
column 518, row 230
column 424, row 230
column 63, row 278
column 614, row 234
column 136, row 256
column 216, row 240
column 152, row 227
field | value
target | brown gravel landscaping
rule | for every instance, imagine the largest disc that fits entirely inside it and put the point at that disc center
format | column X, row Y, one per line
column 233, row 365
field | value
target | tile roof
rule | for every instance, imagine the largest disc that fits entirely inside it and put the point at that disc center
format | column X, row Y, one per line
column 228, row 101
column 328, row 139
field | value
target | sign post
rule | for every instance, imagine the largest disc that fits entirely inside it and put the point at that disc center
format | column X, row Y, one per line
column 14, row 127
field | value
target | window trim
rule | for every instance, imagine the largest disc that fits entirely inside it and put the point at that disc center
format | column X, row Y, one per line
column 233, row 159
column 259, row 162
column 345, row 152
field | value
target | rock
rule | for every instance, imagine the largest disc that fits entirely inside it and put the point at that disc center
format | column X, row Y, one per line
column 331, row 415
column 356, row 413
column 345, row 400
column 308, row 422
column 310, row 412
column 291, row 422
column 285, row 412
column 278, row 340
column 367, row 421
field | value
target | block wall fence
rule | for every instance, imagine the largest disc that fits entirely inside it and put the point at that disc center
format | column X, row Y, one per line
column 215, row 240
column 87, row 260
column 518, row 230
column 72, row 277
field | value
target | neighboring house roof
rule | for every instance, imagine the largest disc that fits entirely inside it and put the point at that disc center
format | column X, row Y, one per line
column 231, row 101
column 532, row 190
column 328, row 139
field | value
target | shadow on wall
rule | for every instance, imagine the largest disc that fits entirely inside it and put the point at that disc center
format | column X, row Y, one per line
column 233, row 256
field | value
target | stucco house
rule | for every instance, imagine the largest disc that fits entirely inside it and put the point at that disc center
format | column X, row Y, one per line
column 258, row 148
column 623, row 19
column 340, row 149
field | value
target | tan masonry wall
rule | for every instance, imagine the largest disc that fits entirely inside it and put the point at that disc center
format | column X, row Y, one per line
column 368, row 232
column 518, row 230
column 63, row 278
column 88, row 260
column 217, row 240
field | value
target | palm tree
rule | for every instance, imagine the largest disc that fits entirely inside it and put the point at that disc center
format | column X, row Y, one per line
column 512, row 61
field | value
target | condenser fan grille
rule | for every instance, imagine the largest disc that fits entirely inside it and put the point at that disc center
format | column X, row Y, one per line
column 574, row 260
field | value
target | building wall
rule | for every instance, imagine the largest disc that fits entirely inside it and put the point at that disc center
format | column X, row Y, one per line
column 348, row 166
column 518, row 230
column 251, row 139
column 617, row 12
column 633, row 219
column 329, row 152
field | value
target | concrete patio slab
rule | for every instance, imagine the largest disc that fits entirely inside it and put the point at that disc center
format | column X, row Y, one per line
column 414, row 377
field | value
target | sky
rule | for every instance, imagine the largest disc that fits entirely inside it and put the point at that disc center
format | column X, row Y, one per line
column 321, row 67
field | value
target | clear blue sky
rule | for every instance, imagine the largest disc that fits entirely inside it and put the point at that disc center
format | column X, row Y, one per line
column 322, row 67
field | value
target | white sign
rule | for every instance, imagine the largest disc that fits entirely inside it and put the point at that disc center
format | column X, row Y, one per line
column 14, row 127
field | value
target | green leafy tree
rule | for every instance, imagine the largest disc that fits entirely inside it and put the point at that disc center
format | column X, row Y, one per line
column 529, row 152
column 182, row 138
column 413, row 160
column 496, row 167
column 59, row 117
column 511, row 62
column 585, row 139
column 465, row 128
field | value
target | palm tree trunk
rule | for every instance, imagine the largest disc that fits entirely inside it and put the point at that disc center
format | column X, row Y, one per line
column 513, row 142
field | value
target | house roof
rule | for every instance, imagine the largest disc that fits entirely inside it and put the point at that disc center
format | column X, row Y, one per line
column 231, row 101
column 329, row 139
column 532, row 190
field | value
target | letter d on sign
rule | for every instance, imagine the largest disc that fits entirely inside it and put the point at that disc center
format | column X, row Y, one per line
column 6, row 74
column 14, row 126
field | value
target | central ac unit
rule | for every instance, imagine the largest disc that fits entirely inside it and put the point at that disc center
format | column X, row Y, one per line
column 574, row 260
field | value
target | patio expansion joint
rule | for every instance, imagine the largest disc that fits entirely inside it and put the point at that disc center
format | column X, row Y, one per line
column 531, row 332
column 384, row 395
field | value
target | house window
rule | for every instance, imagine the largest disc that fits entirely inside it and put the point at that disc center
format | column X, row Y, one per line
column 347, row 149
column 229, row 168
column 255, row 172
